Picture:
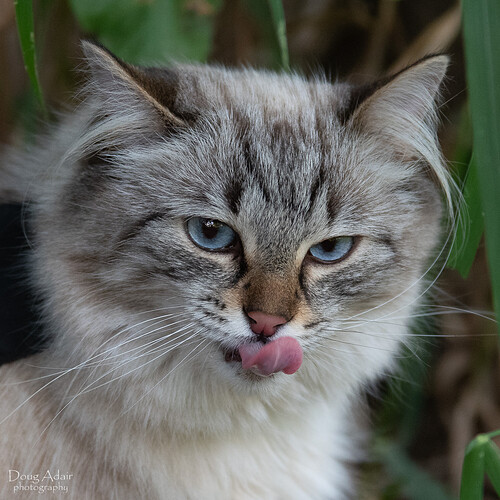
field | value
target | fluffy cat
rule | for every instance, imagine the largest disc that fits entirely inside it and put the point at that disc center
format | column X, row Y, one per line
column 225, row 259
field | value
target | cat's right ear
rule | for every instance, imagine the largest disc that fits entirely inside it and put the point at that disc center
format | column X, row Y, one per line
column 403, row 106
column 125, row 86
column 400, row 113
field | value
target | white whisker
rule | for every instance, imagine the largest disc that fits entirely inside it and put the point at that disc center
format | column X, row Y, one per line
column 90, row 388
column 169, row 373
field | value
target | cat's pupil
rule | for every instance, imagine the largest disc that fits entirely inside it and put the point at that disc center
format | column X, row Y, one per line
column 210, row 228
column 328, row 245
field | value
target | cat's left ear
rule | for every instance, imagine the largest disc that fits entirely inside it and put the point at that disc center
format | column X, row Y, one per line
column 404, row 105
column 123, row 84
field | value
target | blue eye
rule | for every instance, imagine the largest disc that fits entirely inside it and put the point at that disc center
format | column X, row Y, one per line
column 332, row 250
column 211, row 234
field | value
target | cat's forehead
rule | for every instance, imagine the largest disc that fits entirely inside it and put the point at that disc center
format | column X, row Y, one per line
column 280, row 179
column 273, row 94
column 282, row 132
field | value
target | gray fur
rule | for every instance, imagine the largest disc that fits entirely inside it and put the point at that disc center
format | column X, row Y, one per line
column 287, row 163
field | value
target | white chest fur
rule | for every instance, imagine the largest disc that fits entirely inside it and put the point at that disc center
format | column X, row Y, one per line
column 289, row 459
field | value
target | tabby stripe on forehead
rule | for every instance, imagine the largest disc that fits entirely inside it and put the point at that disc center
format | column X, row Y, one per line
column 254, row 173
column 136, row 227
column 317, row 185
column 332, row 205
column 233, row 194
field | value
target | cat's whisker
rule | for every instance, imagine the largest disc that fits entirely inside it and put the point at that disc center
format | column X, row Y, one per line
column 387, row 335
column 316, row 343
column 373, row 334
column 414, row 283
column 169, row 373
column 35, row 393
column 193, row 340
column 146, row 346
column 106, row 361
column 57, row 376
column 335, row 339
column 89, row 376
column 112, row 350
column 59, row 370
column 120, row 333
column 96, row 365
column 89, row 387
column 168, row 349
column 439, row 310
column 457, row 310
column 131, row 359
column 407, row 334
column 153, row 321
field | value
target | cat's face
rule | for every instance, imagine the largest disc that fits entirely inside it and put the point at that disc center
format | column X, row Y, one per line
column 248, row 208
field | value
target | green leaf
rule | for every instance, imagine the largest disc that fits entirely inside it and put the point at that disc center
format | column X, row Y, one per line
column 492, row 464
column 472, row 484
column 278, row 17
column 482, row 457
column 26, row 30
column 470, row 224
column 493, row 434
column 153, row 31
column 481, row 19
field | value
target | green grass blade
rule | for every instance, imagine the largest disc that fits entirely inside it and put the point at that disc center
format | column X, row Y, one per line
column 470, row 224
column 26, row 30
column 493, row 434
column 481, row 19
column 472, row 484
column 278, row 17
column 492, row 464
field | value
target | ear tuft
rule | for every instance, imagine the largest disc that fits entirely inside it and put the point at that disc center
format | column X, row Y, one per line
column 405, row 101
column 403, row 113
column 119, row 80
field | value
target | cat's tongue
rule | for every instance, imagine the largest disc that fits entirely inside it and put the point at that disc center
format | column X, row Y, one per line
column 281, row 355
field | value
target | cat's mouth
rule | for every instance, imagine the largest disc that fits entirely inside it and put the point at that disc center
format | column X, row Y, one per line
column 231, row 355
column 281, row 355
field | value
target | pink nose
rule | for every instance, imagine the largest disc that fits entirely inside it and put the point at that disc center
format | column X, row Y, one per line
column 265, row 324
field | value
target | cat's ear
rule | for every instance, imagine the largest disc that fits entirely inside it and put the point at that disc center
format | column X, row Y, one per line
column 403, row 105
column 117, row 80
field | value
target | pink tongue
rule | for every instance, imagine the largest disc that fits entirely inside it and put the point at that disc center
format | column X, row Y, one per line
column 281, row 355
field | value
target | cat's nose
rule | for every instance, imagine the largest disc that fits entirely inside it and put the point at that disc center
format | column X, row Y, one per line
column 265, row 324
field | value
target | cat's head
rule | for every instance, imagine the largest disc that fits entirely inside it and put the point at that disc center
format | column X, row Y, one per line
column 195, row 210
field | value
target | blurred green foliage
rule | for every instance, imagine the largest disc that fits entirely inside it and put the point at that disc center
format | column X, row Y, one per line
column 146, row 32
column 26, row 30
column 481, row 20
column 481, row 29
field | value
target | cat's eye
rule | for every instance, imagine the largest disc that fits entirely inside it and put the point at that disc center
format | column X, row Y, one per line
column 211, row 235
column 332, row 250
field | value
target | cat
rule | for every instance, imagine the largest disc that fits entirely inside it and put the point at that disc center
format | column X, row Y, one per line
column 225, row 259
